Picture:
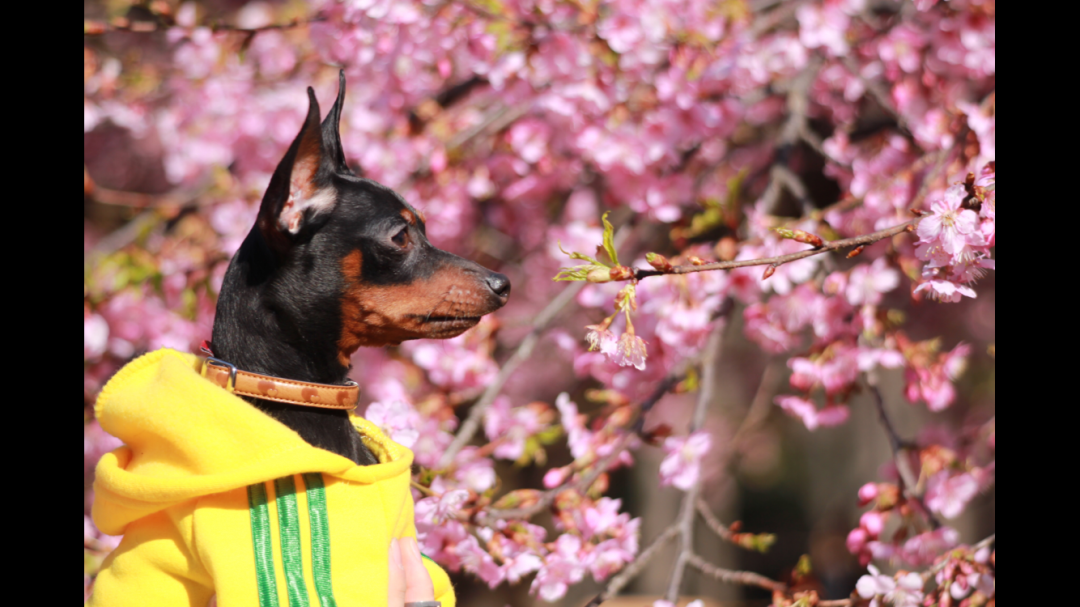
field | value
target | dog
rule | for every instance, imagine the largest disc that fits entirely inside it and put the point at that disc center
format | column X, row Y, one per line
column 334, row 262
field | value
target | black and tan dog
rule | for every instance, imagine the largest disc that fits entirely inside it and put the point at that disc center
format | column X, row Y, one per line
column 336, row 262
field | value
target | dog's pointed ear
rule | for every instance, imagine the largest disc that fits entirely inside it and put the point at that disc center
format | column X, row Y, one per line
column 331, row 133
column 301, row 187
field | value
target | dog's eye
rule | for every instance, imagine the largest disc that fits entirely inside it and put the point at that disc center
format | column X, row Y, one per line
column 401, row 239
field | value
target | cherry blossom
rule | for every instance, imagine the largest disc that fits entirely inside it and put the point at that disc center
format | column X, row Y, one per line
column 682, row 465
column 948, row 494
column 811, row 416
column 905, row 591
column 562, row 567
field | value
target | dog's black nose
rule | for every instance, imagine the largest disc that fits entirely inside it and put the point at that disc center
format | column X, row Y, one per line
column 499, row 284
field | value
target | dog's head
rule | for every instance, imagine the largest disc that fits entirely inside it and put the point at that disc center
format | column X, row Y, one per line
column 329, row 230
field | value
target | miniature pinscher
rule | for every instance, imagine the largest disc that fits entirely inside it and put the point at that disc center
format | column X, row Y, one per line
column 334, row 262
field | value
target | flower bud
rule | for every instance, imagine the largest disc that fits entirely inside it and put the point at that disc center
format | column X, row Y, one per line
column 856, row 540
column 726, row 249
column 696, row 261
column 599, row 275
column 856, row 251
column 868, row 493
column 621, row 273
column 873, row 522
column 808, row 238
column 658, row 261
column 556, row 476
column 769, row 271
column 800, row 236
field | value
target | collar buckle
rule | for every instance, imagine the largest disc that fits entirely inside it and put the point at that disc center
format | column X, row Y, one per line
column 217, row 362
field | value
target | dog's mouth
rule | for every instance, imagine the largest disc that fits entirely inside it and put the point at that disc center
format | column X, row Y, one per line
column 450, row 321
column 445, row 327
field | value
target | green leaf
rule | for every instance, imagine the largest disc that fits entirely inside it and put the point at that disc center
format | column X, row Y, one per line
column 573, row 274
column 609, row 239
column 575, row 255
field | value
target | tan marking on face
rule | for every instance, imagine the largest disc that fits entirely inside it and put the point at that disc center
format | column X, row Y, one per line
column 421, row 214
column 442, row 306
column 409, row 217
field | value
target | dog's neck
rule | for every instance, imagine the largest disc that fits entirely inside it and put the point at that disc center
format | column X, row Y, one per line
column 267, row 336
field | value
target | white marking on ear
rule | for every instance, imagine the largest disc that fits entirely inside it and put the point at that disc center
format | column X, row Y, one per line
column 319, row 201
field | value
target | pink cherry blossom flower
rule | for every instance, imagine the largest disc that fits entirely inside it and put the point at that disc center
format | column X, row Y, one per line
column 397, row 419
column 511, row 427
column 823, row 26
column 835, row 370
column 874, row 585
column 948, row 494
column 601, row 516
column 476, row 560
column 476, row 473
column 579, row 439
column 682, row 465
column 631, row 351
column 607, row 557
column 934, row 384
column 519, row 560
column 948, row 225
column 869, row 281
column 812, row 417
column 922, row 549
column 562, row 566
column 903, row 592
column 945, row 290
column 602, row 339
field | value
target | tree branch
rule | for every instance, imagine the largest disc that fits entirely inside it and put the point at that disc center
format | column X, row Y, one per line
column 685, row 522
column 832, row 245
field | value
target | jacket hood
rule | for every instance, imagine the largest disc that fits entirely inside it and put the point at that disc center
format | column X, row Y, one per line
column 185, row 438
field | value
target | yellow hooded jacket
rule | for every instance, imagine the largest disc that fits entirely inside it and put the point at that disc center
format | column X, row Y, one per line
column 213, row 496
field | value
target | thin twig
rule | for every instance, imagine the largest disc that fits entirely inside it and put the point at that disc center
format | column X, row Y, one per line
column 712, row 522
column 832, row 245
column 746, row 578
column 900, row 453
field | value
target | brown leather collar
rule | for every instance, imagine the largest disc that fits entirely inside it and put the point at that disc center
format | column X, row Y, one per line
column 246, row 383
